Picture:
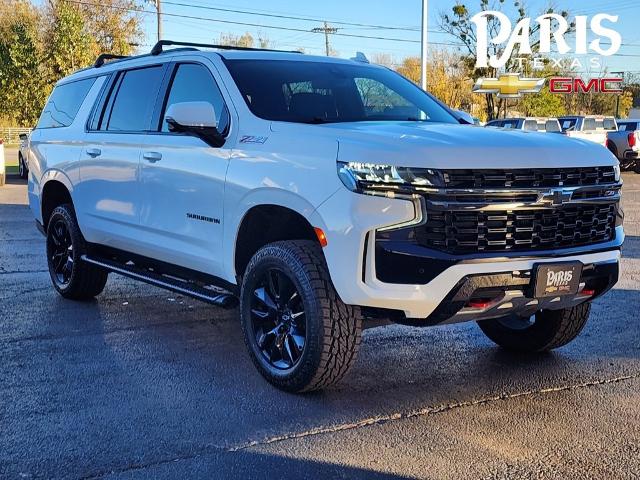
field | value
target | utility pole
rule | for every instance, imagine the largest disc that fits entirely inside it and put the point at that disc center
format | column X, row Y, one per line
column 424, row 44
column 326, row 29
column 158, row 5
column 618, row 96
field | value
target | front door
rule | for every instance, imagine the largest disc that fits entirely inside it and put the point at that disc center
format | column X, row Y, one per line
column 182, row 179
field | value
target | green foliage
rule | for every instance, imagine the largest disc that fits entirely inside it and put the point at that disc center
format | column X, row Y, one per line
column 543, row 104
column 22, row 87
column 71, row 46
column 73, row 36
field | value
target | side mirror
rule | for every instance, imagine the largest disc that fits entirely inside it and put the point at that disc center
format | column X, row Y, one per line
column 465, row 117
column 23, row 136
column 195, row 118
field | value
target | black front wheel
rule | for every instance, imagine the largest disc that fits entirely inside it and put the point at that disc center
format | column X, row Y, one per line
column 71, row 277
column 546, row 330
column 300, row 335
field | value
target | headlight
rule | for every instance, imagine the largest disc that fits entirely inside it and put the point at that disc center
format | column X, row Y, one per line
column 616, row 172
column 370, row 177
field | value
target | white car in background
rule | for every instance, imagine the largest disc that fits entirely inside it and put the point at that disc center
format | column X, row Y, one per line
column 590, row 127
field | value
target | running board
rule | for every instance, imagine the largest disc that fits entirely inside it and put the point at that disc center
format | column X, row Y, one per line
column 220, row 299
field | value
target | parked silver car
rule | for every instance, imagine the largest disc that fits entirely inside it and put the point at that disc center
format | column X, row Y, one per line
column 625, row 144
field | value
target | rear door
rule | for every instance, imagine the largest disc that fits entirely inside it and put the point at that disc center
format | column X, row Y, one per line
column 110, row 164
column 183, row 178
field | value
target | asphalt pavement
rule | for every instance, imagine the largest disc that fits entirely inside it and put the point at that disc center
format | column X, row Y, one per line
column 143, row 383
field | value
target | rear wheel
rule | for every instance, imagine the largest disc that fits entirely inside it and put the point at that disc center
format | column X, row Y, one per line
column 300, row 335
column 71, row 277
column 547, row 330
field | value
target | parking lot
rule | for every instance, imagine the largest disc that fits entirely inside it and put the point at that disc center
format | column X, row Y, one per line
column 144, row 383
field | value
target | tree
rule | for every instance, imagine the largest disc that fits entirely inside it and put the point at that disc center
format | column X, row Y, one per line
column 41, row 44
column 114, row 25
column 449, row 78
column 246, row 40
column 458, row 24
column 71, row 46
column 23, row 88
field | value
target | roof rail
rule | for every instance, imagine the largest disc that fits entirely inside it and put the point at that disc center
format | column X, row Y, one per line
column 157, row 48
column 100, row 61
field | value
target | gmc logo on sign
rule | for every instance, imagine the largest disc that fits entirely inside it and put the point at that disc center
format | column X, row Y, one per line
column 577, row 85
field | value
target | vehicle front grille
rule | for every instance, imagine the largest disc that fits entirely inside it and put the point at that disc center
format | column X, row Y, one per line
column 528, row 178
column 465, row 232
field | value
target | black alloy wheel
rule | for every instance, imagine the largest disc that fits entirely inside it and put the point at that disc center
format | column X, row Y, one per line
column 60, row 252
column 278, row 320
column 71, row 276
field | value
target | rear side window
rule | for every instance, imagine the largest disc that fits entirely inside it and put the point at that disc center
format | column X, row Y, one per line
column 194, row 83
column 64, row 103
column 135, row 97
column 531, row 125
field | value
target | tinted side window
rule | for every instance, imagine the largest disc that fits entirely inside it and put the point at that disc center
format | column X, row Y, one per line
column 194, row 83
column 135, row 98
column 64, row 103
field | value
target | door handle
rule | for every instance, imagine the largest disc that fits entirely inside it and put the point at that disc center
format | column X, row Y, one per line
column 94, row 152
column 152, row 156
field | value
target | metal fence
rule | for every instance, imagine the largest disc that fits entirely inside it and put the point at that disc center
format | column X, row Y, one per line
column 11, row 135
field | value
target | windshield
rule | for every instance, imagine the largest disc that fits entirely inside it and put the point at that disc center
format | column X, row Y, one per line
column 322, row 92
column 568, row 124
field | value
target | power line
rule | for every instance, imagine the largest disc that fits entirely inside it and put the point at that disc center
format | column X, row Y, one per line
column 292, row 17
column 230, row 22
column 275, row 27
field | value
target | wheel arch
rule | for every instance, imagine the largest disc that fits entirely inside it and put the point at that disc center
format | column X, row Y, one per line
column 266, row 223
column 56, row 190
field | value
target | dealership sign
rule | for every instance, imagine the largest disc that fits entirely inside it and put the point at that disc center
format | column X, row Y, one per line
column 521, row 36
column 552, row 29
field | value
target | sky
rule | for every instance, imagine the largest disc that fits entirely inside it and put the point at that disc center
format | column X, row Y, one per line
column 401, row 19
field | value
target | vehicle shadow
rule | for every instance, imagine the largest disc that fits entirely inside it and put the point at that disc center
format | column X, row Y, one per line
column 108, row 381
column 14, row 179
column 631, row 247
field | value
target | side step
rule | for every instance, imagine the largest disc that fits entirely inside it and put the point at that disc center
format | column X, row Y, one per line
column 217, row 297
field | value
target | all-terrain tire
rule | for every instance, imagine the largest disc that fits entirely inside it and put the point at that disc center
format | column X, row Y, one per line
column 82, row 281
column 552, row 329
column 333, row 329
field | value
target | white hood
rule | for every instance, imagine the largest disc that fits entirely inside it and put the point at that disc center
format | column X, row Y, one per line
column 437, row 145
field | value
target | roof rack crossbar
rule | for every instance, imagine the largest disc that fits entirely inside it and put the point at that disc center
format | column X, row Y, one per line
column 100, row 61
column 157, row 48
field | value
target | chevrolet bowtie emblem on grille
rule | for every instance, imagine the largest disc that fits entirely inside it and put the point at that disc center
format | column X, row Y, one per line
column 509, row 85
column 555, row 197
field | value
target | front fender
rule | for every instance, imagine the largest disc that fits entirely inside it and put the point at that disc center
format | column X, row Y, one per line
column 235, row 214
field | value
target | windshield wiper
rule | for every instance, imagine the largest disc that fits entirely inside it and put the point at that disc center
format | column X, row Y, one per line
column 416, row 119
column 314, row 120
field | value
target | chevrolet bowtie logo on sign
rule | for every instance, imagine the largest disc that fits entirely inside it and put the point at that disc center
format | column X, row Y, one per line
column 509, row 85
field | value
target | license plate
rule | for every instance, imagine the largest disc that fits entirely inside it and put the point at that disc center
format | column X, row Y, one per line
column 555, row 279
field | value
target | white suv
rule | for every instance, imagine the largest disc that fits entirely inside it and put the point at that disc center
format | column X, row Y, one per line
column 321, row 194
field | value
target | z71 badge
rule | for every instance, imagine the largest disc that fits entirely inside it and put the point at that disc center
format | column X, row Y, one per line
column 253, row 139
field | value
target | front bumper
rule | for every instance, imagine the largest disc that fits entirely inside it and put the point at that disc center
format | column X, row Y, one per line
column 351, row 257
